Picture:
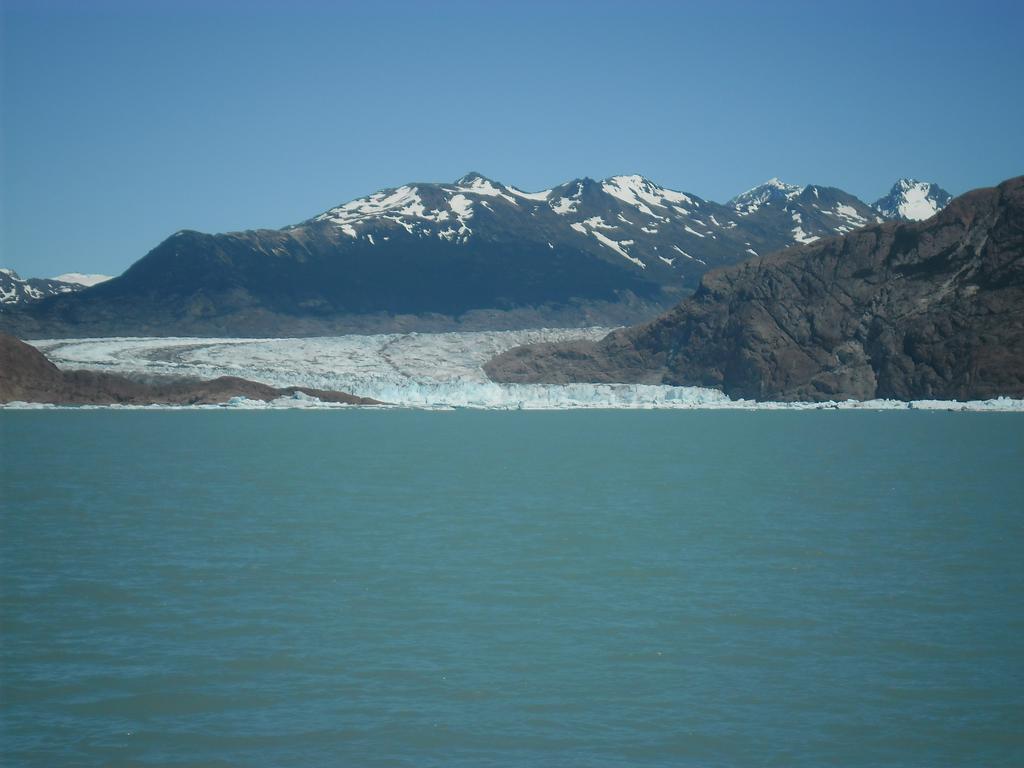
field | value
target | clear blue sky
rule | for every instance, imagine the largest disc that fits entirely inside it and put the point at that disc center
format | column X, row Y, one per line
column 126, row 121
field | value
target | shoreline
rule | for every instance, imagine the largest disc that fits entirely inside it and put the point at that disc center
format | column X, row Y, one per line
column 994, row 405
column 417, row 371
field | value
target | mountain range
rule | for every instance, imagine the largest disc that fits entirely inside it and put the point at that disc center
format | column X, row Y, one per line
column 932, row 309
column 15, row 290
column 474, row 253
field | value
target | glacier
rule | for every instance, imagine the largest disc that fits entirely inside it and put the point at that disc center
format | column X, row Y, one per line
column 413, row 370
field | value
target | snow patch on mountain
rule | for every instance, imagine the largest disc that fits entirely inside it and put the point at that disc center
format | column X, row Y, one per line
column 396, row 202
column 688, row 256
column 798, row 232
column 461, row 206
column 478, row 185
column 913, row 200
column 619, row 247
column 564, row 205
column 543, row 195
column 596, row 222
column 773, row 190
column 641, row 194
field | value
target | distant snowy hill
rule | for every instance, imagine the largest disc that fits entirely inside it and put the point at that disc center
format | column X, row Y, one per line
column 630, row 218
column 801, row 215
column 912, row 200
column 473, row 253
column 16, row 291
column 80, row 279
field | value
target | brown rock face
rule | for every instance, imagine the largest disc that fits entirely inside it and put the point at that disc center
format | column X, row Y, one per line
column 898, row 310
column 26, row 374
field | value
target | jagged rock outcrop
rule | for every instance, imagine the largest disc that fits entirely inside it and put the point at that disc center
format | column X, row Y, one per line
column 931, row 309
column 26, row 375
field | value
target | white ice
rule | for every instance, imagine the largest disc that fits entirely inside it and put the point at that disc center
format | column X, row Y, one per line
column 418, row 370
column 81, row 279
column 619, row 247
column 564, row 205
column 542, row 195
column 798, row 232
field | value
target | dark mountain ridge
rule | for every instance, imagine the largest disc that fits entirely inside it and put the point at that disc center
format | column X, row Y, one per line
column 471, row 254
column 933, row 309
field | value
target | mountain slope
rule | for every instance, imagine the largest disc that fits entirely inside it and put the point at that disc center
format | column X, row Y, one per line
column 472, row 254
column 16, row 291
column 933, row 309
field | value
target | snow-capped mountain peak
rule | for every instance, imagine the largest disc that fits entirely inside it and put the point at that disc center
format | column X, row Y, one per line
column 471, row 178
column 475, row 184
column 15, row 290
column 628, row 216
column 394, row 204
column 913, row 200
column 641, row 193
column 772, row 191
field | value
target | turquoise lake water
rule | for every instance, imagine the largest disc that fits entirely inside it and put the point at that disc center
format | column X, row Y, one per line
column 406, row 588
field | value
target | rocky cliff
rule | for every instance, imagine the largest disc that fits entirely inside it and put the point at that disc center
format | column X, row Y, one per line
column 931, row 309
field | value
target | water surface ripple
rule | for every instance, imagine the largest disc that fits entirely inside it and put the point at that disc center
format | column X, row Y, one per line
column 588, row 588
